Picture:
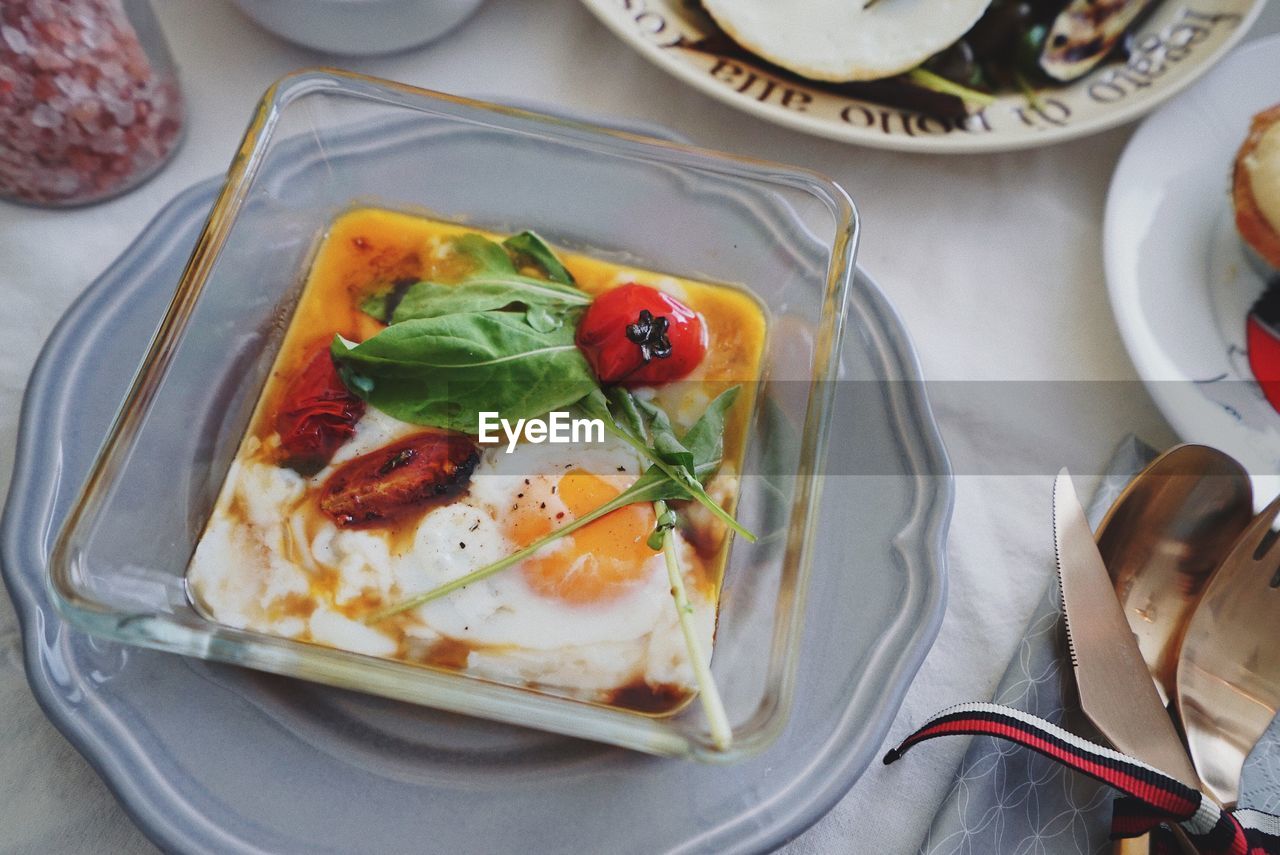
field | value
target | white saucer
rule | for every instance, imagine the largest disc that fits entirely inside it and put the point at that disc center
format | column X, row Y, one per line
column 1179, row 280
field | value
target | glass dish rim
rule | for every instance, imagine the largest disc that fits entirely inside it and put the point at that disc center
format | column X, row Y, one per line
column 349, row 670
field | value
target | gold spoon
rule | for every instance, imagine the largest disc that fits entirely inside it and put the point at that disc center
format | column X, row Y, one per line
column 1228, row 675
column 1163, row 538
column 1161, row 541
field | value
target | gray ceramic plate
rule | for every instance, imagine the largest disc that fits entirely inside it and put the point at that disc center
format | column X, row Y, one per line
column 212, row 758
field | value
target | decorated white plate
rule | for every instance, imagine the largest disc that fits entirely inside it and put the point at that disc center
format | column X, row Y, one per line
column 1173, row 46
column 1181, row 286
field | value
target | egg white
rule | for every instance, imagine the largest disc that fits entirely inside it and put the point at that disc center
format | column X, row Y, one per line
column 240, row 573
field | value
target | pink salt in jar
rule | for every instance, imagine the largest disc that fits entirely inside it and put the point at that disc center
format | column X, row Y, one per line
column 89, row 99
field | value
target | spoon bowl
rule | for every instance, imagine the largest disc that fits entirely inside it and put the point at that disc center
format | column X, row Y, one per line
column 1163, row 538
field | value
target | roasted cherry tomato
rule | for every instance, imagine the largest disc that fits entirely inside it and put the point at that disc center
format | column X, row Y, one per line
column 386, row 484
column 638, row 336
column 317, row 414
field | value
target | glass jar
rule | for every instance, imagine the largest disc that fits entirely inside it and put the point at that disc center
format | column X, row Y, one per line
column 89, row 99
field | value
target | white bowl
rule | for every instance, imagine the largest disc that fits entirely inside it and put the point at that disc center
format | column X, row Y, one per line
column 359, row 27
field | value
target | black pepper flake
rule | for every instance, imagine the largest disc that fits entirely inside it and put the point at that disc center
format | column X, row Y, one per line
column 475, row 525
column 553, row 489
column 526, row 482
column 543, row 506
column 461, row 545
column 622, row 469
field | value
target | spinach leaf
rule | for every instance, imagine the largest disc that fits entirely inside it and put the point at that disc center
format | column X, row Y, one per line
column 528, row 247
column 487, row 256
column 443, row 371
column 376, row 305
column 436, row 299
column 492, row 283
column 544, row 319
column 491, row 262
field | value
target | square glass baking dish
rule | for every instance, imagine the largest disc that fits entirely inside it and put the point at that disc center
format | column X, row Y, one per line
column 323, row 141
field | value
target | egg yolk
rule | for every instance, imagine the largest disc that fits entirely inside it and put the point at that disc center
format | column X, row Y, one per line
column 598, row 561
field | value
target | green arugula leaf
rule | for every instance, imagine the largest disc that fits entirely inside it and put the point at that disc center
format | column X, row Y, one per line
column 630, row 418
column 528, row 247
column 678, row 471
column 594, row 405
column 705, row 443
column 663, row 437
column 705, row 438
column 443, row 371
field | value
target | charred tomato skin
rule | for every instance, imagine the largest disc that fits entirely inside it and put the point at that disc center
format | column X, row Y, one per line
column 316, row 414
column 625, row 345
column 396, row 480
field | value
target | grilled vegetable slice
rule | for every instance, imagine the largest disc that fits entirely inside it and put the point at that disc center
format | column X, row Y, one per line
column 1084, row 33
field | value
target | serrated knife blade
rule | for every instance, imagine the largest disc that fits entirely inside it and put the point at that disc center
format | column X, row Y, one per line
column 1116, row 689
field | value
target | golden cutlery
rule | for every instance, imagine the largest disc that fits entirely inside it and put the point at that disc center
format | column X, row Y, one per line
column 1115, row 686
column 1228, row 679
column 1161, row 540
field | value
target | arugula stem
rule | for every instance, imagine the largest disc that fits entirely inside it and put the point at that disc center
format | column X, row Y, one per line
column 684, row 479
column 499, row 565
column 708, row 693
column 938, row 83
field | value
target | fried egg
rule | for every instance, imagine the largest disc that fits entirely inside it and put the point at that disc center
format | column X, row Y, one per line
column 844, row 40
column 588, row 614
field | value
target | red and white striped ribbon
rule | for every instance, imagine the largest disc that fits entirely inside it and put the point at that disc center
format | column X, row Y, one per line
column 1150, row 799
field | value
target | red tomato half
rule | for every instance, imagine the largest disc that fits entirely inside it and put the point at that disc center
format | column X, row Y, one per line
column 317, row 414
column 639, row 336
column 388, row 483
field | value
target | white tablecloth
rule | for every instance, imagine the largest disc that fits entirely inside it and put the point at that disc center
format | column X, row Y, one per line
column 994, row 262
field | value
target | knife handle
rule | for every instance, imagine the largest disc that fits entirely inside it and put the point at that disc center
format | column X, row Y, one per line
column 1142, row 845
column 1132, row 846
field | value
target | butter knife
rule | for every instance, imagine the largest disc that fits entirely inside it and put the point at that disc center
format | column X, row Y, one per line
column 1116, row 690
